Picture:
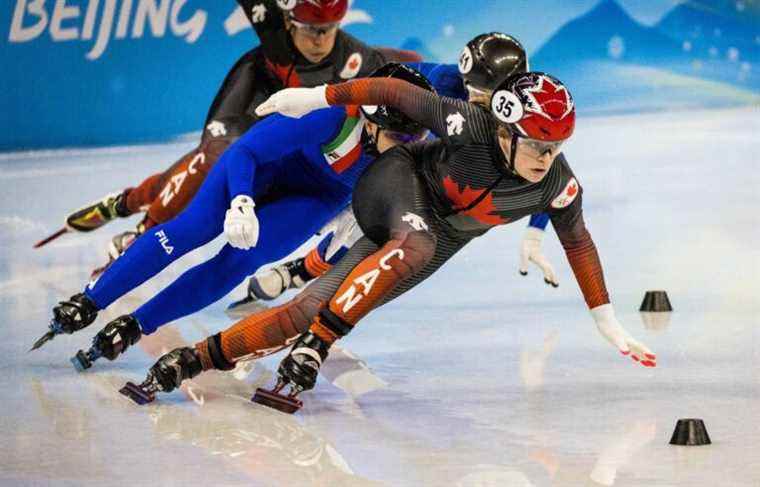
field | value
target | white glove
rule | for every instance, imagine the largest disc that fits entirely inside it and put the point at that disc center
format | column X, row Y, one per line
column 613, row 331
column 530, row 251
column 240, row 223
column 295, row 102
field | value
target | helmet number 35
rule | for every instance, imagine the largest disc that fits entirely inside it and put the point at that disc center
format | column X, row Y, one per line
column 506, row 106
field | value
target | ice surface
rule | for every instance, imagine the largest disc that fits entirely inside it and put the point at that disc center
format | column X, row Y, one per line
column 478, row 377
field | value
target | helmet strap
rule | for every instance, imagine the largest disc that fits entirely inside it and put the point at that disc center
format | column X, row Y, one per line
column 512, row 154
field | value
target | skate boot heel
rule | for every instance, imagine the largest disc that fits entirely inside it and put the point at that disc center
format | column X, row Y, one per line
column 286, row 403
column 83, row 360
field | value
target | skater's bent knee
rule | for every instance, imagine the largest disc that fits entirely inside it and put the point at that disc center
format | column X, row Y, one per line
column 418, row 249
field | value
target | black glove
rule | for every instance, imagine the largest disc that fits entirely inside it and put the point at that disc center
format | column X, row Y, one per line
column 302, row 364
column 76, row 313
column 176, row 366
column 117, row 336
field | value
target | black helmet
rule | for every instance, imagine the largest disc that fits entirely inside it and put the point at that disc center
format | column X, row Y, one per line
column 491, row 58
column 392, row 118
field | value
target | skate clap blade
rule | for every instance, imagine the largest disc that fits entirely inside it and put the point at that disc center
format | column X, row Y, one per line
column 55, row 329
column 52, row 237
column 286, row 403
column 144, row 393
column 83, row 360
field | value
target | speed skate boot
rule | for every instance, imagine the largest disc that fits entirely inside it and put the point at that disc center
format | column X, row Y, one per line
column 269, row 285
column 92, row 216
column 110, row 342
column 96, row 214
column 69, row 316
column 299, row 370
column 165, row 375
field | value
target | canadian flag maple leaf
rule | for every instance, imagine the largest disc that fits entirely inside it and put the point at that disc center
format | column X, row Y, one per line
column 354, row 63
column 549, row 99
column 284, row 73
column 482, row 212
column 572, row 189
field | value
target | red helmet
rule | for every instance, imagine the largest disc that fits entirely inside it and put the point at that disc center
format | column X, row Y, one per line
column 535, row 106
column 319, row 11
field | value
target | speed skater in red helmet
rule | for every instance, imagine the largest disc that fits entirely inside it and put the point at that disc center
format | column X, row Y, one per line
column 418, row 205
column 485, row 61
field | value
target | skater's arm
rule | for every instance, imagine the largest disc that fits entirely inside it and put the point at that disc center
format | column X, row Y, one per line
column 453, row 120
column 581, row 252
column 391, row 54
column 445, row 117
column 445, row 78
column 268, row 22
column 584, row 260
column 270, row 140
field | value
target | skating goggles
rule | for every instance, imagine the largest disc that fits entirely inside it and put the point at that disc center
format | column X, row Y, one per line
column 540, row 147
column 315, row 30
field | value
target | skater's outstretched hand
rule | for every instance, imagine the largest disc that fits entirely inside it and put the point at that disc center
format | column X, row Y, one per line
column 613, row 331
column 294, row 102
column 240, row 223
column 530, row 251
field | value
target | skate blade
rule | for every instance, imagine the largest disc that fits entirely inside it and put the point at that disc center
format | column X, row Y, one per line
column 244, row 307
column 276, row 401
column 43, row 340
column 137, row 394
column 52, row 237
column 80, row 361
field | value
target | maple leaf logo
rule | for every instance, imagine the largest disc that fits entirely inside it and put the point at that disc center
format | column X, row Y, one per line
column 572, row 189
column 482, row 212
column 288, row 77
column 548, row 99
column 353, row 64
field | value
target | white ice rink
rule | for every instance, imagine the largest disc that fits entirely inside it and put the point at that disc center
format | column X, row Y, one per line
column 479, row 377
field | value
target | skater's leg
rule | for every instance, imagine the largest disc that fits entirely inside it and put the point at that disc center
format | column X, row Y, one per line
column 371, row 265
column 182, row 181
column 271, row 330
column 141, row 196
column 200, row 223
column 283, row 230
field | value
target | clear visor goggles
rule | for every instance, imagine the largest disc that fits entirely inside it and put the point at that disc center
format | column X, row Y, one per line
column 315, row 30
column 537, row 147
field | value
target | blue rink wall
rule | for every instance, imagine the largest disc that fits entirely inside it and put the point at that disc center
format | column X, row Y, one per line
column 103, row 72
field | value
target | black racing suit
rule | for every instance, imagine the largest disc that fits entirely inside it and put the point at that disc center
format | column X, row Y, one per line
column 418, row 205
column 259, row 73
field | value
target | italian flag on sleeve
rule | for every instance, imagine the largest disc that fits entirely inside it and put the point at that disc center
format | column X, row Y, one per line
column 344, row 150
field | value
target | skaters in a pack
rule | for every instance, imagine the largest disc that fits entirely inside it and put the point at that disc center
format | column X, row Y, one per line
column 418, row 205
column 258, row 194
column 485, row 60
column 302, row 46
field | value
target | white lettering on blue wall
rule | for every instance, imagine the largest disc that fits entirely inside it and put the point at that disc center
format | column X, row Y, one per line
column 72, row 20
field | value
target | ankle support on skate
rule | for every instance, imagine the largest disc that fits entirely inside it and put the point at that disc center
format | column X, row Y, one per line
column 329, row 327
column 121, row 207
column 210, row 353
